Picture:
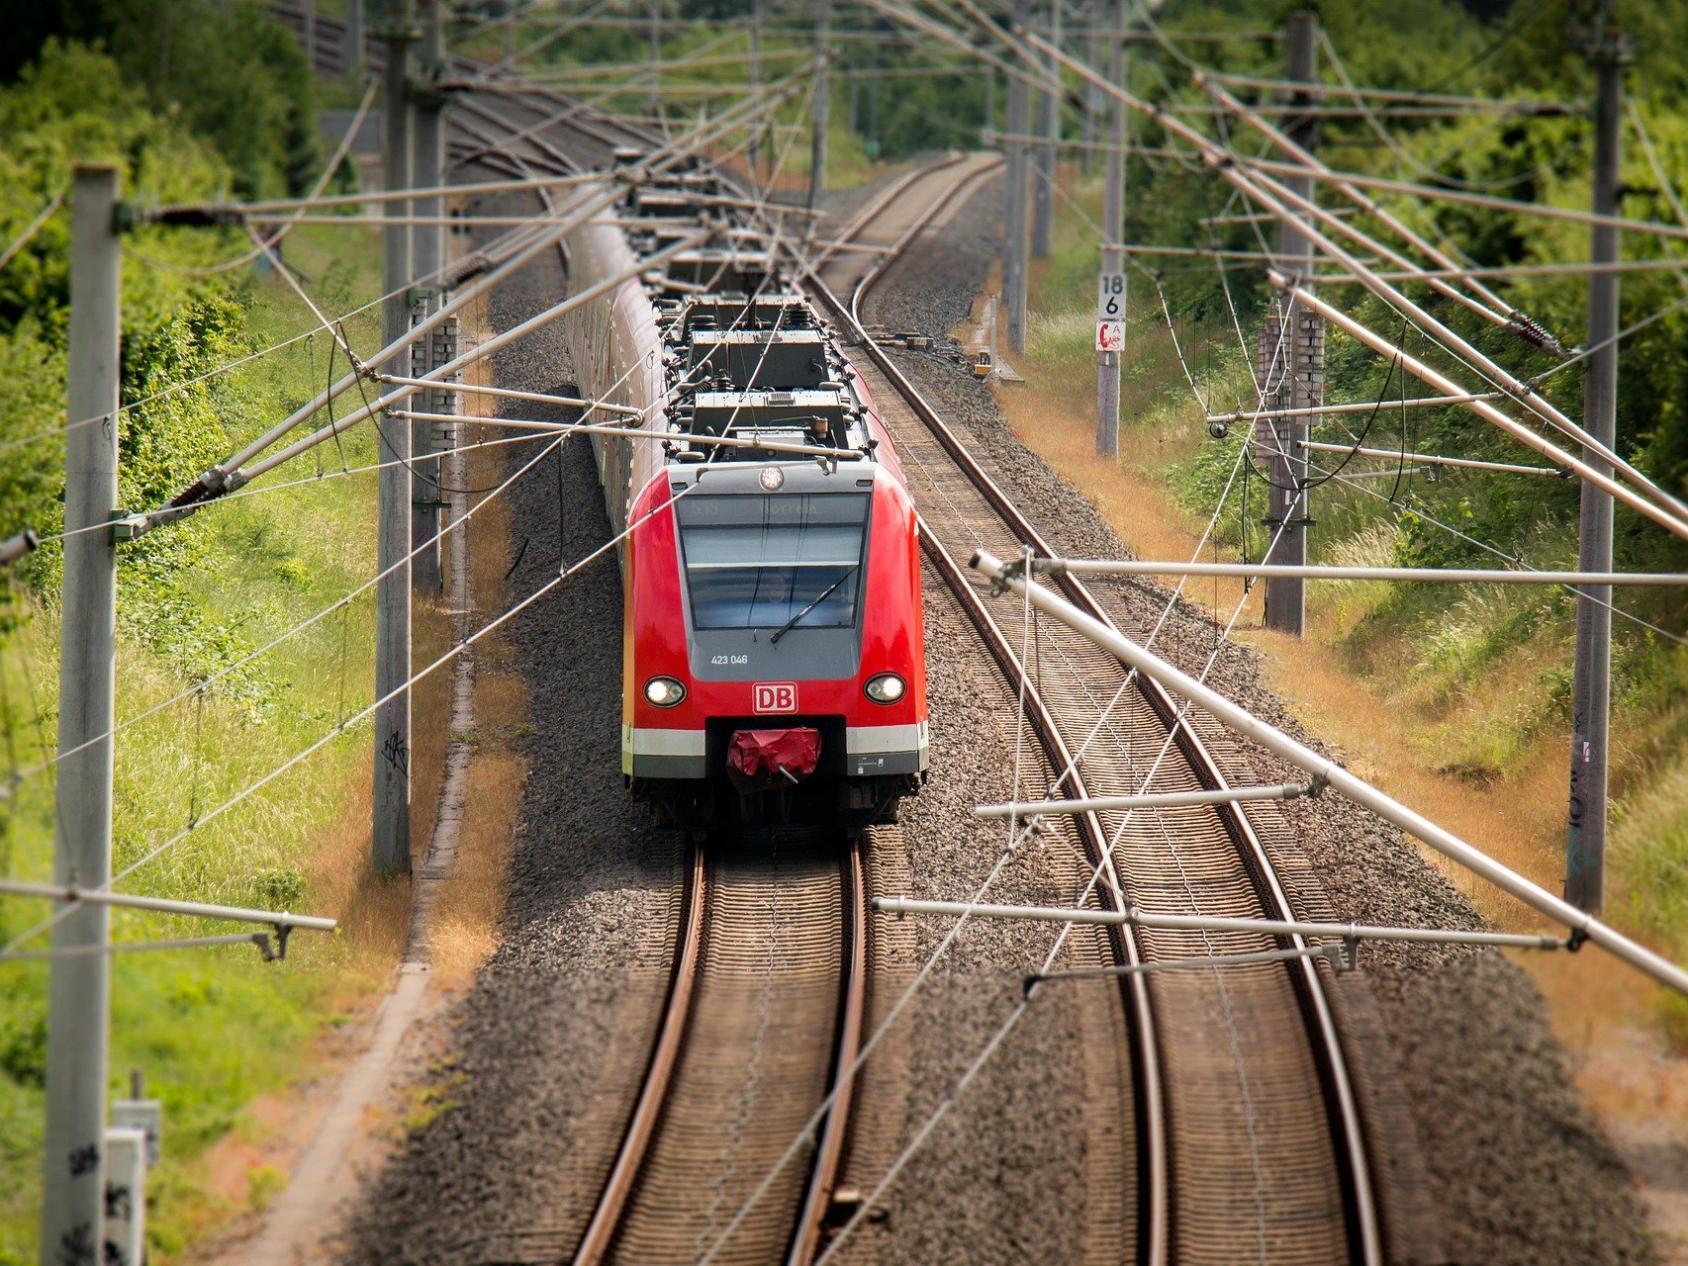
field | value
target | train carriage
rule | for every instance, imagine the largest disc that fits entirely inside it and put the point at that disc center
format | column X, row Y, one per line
column 773, row 643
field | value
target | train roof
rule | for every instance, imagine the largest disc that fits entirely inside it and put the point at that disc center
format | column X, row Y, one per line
column 745, row 354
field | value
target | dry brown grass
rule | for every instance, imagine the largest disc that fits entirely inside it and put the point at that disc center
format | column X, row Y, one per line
column 471, row 899
column 374, row 913
column 430, row 720
column 1508, row 818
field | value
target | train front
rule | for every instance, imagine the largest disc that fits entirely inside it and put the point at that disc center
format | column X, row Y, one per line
column 775, row 650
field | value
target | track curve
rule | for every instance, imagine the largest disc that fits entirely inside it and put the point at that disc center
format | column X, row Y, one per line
column 764, row 1011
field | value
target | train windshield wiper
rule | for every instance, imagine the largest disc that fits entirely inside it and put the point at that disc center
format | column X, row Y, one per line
column 822, row 597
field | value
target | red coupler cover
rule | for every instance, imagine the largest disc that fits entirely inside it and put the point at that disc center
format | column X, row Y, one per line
column 759, row 760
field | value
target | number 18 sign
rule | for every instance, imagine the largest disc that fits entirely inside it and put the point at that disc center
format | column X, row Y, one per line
column 1110, row 296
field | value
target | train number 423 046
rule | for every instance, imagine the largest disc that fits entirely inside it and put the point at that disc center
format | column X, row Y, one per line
column 722, row 661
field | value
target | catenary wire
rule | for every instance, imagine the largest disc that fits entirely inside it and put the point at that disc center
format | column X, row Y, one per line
column 32, row 228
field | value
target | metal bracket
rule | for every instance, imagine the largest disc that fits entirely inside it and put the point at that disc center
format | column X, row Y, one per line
column 1611, row 47
column 130, row 215
column 1014, row 570
column 1347, row 957
column 126, row 526
column 401, row 29
column 427, row 91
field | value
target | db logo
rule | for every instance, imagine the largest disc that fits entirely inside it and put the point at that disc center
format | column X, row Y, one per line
column 774, row 696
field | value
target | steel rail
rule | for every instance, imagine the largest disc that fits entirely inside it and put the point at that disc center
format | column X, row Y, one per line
column 887, row 255
column 875, row 206
column 1342, row 1104
column 600, row 1231
column 599, row 1237
column 632, row 134
column 522, row 136
column 809, row 1226
column 1153, row 1152
column 852, row 1004
column 527, row 134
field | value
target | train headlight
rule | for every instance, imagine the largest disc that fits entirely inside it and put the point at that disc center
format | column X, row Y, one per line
column 664, row 692
column 885, row 688
column 772, row 478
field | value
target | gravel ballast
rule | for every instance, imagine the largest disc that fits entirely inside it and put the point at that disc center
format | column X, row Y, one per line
column 1514, row 1167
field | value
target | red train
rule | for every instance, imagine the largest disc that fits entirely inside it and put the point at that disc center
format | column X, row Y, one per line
column 773, row 644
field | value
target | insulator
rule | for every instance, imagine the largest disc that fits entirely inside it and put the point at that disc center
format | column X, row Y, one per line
column 1534, row 333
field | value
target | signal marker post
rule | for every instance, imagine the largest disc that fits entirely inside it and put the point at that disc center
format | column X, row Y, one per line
column 1111, row 283
column 1110, row 345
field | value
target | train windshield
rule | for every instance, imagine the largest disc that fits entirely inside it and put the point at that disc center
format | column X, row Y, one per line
column 756, row 561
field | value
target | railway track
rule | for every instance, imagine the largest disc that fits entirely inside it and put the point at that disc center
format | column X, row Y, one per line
column 764, row 1007
column 880, row 229
column 1250, row 1143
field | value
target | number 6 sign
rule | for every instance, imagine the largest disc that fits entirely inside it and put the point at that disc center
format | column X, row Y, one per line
column 1110, row 296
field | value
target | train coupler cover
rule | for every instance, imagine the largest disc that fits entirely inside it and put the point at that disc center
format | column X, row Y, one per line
column 766, row 760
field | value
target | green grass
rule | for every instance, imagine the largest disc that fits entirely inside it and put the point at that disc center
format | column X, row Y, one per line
column 1649, row 846
column 213, row 1029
